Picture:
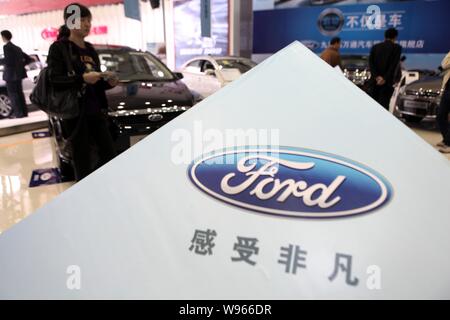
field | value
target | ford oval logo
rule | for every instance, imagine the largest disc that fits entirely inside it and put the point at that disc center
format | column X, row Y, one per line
column 155, row 117
column 290, row 182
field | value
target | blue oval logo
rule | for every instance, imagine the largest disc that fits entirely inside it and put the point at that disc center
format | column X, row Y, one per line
column 290, row 182
column 330, row 21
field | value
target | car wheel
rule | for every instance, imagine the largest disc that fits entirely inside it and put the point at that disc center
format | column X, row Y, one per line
column 5, row 106
column 412, row 119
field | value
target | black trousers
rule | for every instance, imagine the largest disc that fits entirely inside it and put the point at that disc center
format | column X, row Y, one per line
column 87, row 134
column 442, row 115
column 382, row 94
column 15, row 93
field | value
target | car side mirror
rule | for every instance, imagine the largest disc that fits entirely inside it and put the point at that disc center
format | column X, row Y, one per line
column 179, row 75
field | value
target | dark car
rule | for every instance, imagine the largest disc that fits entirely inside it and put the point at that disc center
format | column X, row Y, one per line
column 420, row 99
column 148, row 96
column 356, row 69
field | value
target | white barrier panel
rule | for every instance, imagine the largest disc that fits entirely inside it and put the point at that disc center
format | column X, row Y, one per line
column 352, row 204
column 29, row 30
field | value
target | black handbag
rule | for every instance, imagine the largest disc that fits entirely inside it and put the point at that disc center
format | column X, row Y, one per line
column 63, row 104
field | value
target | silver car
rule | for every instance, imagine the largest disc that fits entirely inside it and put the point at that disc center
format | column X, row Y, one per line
column 420, row 99
column 206, row 74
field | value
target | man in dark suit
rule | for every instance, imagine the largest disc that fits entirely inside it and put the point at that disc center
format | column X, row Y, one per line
column 14, row 71
column 384, row 60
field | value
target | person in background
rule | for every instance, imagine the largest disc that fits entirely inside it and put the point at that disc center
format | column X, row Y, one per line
column 162, row 53
column 444, row 107
column 384, row 60
column 92, row 124
column 14, row 71
column 331, row 54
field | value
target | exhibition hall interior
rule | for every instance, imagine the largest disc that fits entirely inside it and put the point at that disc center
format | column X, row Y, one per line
column 301, row 145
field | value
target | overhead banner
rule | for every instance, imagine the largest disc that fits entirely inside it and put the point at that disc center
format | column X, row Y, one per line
column 11, row 7
column 132, row 9
column 288, row 183
column 190, row 24
column 205, row 13
column 360, row 26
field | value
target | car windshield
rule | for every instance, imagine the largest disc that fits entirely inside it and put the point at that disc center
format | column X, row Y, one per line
column 134, row 66
column 355, row 62
column 242, row 64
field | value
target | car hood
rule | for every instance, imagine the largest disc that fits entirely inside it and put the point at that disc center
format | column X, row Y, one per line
column 149, row 94
column 429, row 83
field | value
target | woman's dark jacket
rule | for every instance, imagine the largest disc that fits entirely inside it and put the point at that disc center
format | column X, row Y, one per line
column 58, row 71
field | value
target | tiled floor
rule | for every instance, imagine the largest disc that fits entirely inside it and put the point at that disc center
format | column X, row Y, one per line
column 428, row 132
column 20, row 154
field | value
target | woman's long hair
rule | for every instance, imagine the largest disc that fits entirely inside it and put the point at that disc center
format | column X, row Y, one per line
column 63, row 32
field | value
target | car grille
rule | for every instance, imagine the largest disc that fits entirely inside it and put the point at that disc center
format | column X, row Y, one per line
column 415, row 105
column 415, row 111
column 358, row 78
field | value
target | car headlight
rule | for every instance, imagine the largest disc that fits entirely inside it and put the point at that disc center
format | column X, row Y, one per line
column 364, row 75
column 346, row 72
column 360, row 76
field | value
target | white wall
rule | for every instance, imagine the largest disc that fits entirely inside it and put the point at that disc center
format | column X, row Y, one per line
column 27, row 29
column 170, row 41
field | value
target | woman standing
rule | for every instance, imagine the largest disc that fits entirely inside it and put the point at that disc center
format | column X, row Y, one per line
column 91, row 126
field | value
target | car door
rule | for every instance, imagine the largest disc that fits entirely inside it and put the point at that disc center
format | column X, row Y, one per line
column 192, row 75
column 210, row 81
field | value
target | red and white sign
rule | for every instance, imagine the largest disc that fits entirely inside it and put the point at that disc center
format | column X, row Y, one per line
column 52, row 33
column 49, row 33
column 99, row 30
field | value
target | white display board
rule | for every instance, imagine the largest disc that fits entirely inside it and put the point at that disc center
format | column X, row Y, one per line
column 366, row 214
